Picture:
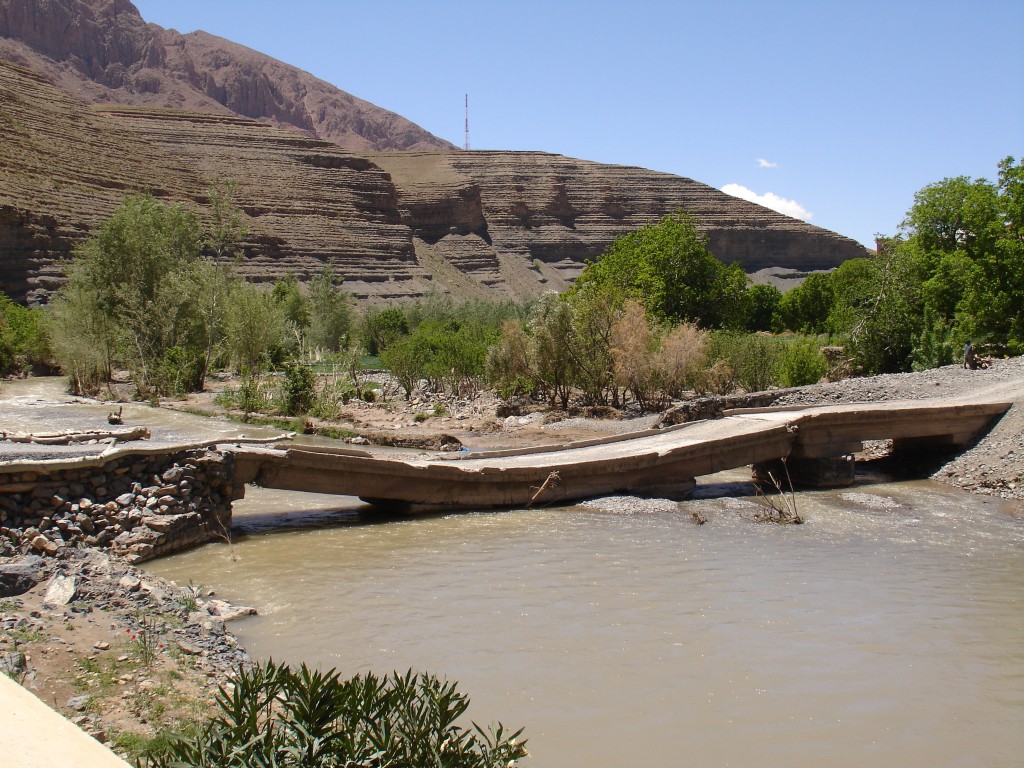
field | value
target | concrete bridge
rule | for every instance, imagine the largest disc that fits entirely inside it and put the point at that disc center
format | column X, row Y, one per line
column 817, row 443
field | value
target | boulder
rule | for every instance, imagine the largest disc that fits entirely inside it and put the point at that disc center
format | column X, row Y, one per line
column 229, row 612
column 19, row 577
column 61, row 590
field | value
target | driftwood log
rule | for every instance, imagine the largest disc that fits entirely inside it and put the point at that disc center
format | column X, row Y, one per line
column 69, row 437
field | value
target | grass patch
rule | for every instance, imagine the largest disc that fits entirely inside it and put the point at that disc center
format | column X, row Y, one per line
column 288, row 425
column 26, row 636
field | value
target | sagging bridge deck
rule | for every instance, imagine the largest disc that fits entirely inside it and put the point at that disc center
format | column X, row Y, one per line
column 652, row 463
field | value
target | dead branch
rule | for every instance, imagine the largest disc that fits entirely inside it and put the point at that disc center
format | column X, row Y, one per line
column 551, row 481
column 783, row 512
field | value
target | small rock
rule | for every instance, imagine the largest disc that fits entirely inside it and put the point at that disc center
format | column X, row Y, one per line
column 42, row 544
column 61, row 590
column 17, row 579
column 77, row 703
column 190, row 648
column 129, row 583
column 13, row 664
column 101, row 645
column 210, row 623
column 229, row 612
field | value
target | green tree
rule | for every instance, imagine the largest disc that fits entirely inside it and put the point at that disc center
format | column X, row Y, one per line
column 553, row 337
column 330, row 312
column 226, row 228
column 213, row 281
column 254, row 327
column 382, row 327
column 294, row 306
column 136, row 269
column 508, row 367
column 407, row 359
column 956, row 214
column 806, row 307
column 593, row 312
column 669, row 268
column 762, row 307
column 24, row 342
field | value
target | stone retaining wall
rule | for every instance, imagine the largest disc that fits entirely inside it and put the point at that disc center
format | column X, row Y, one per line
column 139, row 506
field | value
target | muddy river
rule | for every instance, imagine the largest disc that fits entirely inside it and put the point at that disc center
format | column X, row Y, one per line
column 887, row 630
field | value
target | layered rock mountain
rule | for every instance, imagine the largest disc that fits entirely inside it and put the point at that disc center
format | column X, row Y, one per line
column 103, row 51
column 96, row 104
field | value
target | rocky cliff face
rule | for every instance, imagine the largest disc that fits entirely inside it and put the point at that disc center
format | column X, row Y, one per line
column 103, row 51
column 550, row 214
column 103, row 105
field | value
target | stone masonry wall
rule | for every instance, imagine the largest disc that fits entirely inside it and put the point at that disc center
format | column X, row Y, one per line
column 138, row 506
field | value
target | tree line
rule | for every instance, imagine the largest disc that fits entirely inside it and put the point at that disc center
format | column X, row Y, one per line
column 153, row 291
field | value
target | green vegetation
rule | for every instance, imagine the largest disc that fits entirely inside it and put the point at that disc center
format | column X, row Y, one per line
column 140, row 295
column 955, row 272
column 656, row 316
column 276, row 716
column 668, row 268
column 23, row 341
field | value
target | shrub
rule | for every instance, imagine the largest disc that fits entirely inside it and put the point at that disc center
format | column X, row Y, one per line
column 298, row 391
column 681, row 355
column 754, row 358
column 278, row 717
column 719, row 379
column 802, row 363
column 23, row 339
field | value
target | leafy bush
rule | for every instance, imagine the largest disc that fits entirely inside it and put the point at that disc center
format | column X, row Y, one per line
column 298, row 391
column 252, row 396
column 719, row 379
column 23, row 339
column 802, row 363
column 754, row 358
column 380, row 328
column 181, row 371
column 278, row 717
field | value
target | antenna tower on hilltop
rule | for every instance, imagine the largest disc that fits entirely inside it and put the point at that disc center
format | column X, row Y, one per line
column 466, row 145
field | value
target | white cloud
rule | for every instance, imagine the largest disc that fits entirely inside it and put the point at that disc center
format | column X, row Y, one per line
column 762, row 163
column 769, row 200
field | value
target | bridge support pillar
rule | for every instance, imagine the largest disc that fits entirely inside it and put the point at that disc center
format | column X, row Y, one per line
column 828, row 472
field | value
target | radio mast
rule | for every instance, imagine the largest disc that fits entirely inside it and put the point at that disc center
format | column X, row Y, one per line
column 466, row 145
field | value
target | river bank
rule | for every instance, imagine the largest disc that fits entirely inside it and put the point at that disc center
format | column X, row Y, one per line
column 121, row 653
column 124, row 653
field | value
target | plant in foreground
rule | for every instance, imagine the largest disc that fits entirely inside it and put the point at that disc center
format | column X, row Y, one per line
column 145, row 640
column 276, row 716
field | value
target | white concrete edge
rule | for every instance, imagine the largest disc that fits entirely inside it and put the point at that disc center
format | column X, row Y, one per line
column 32, row 735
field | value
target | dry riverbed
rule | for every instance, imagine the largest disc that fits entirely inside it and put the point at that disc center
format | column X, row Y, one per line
column 125, row 654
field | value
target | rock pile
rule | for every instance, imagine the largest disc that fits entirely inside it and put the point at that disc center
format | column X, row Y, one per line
column 138, row 506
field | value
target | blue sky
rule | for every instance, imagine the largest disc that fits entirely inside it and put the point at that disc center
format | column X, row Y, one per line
column 840, row 110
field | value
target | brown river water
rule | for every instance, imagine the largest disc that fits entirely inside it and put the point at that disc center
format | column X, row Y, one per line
column 886, row 631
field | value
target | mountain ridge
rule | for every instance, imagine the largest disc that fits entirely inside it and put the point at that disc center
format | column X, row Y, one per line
column 106, row 52
column 82, row 131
